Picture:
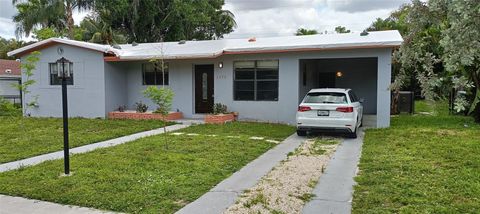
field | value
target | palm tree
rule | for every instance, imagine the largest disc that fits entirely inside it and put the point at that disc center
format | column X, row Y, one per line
column 303, row 32
column 48, row 13
column 97, row 31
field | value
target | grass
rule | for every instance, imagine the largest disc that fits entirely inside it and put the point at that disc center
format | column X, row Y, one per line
column 270, row 130
column 306, row 197
column 421, row 164
column 26, row 137
column 142, row 176
column 258, row 199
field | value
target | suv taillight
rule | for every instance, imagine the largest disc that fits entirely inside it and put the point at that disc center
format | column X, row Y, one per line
column 345, row 109
column 304, row 108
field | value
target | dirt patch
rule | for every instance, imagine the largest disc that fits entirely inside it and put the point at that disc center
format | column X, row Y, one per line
column 289, row 185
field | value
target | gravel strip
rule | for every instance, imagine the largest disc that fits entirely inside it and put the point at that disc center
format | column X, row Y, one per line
column 288, row 186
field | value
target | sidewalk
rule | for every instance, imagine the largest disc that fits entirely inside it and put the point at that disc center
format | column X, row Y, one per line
column 17, row 205
column 87, row 148
column 333, row 193
column 222, row 196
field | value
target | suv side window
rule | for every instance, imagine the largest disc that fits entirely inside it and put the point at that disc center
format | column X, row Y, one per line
column 353, row 97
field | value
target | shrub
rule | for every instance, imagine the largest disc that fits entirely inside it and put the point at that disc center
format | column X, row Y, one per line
column 163, row 97
column 220, row 108
column 121, row 108
column 9, row 109
column 141, row 107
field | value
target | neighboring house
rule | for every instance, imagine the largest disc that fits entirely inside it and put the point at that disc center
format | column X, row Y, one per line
column 263, row 79
column 10, row 74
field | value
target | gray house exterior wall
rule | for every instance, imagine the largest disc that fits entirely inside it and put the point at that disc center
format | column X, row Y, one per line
column 86, row 96
column 101, row 86
column 115, row 86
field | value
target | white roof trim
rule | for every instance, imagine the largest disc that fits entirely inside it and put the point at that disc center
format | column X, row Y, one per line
column 216, row 48
column 87, row 45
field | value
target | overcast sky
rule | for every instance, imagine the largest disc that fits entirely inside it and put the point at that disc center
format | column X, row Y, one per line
column 266, row 18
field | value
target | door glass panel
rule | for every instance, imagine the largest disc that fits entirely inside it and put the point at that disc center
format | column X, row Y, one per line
column 204, row 86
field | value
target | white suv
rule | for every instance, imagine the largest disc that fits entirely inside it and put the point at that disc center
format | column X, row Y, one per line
column 334, row 109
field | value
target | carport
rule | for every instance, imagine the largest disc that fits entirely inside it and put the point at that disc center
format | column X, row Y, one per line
column 358, row 74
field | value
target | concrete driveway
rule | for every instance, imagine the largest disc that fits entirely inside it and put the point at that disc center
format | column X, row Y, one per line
column 333, row 193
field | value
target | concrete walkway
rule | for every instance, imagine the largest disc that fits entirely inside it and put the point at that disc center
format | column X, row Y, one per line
column 222, row 196
column 87, row 148
column 333, row 193
column 17, row 205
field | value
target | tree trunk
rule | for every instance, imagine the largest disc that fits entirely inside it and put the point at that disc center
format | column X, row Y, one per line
column 394, row 102
column 70, row 22
column 476, row 81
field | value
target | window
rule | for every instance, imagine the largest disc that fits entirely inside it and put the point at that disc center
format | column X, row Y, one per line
column 53, row 69
column 256, row 80
column 326, row 97
column 353, row 97
column 152, row 74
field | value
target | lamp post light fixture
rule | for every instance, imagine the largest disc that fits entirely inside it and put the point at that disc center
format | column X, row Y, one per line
column 63, row 68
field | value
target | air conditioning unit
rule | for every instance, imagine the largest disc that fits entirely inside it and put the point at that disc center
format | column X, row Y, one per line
column 406, row 102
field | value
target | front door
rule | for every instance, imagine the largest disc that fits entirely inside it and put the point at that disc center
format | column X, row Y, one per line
column 204, row 88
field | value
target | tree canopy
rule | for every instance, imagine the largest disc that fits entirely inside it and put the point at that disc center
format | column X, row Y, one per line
column 56, row 14
column 341, row 29
column 304, row 31
column 167, row 20
column 7, row 45
column 441, row 49
column 116, row 21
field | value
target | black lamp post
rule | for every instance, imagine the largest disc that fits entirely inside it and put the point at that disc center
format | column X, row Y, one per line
column 63, row 68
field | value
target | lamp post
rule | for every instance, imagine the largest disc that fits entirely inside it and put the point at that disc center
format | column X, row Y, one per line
column 63, row 68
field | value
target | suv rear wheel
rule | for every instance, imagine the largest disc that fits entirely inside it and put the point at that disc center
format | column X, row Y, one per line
column 301, row 133
column 354, row 133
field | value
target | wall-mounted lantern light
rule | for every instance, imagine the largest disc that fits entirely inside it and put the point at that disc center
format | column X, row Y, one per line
column 220, row 64
column 339, row 74
column 63, row 68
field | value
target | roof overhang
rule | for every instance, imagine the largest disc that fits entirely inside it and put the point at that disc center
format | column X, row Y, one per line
column 54, row 41
column 211, row 49
column 307, row 49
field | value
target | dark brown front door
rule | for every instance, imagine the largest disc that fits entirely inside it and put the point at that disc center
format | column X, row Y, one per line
column 203, row 88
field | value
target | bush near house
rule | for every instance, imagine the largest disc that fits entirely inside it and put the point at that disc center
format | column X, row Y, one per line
column 9, row 109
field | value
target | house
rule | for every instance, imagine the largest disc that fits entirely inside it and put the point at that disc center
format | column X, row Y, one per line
column 261, row 78
column 10, row 74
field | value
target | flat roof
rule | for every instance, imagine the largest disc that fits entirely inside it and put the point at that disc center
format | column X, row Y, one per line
column 216, row 48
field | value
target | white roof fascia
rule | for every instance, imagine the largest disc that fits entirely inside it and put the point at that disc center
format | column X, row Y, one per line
column 325, row 46
column 87, row 45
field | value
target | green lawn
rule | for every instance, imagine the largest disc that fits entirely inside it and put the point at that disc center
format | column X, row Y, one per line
column 270, row 130
column 26, row 137
column 421, row 164
column 145, row 176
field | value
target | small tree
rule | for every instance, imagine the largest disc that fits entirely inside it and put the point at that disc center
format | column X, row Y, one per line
column 28, row 67
column 163, row 97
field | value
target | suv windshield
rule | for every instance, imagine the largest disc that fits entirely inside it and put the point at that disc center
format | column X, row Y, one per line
column 326, row 97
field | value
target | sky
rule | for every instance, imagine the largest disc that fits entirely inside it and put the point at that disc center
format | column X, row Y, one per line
column 268, row 18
